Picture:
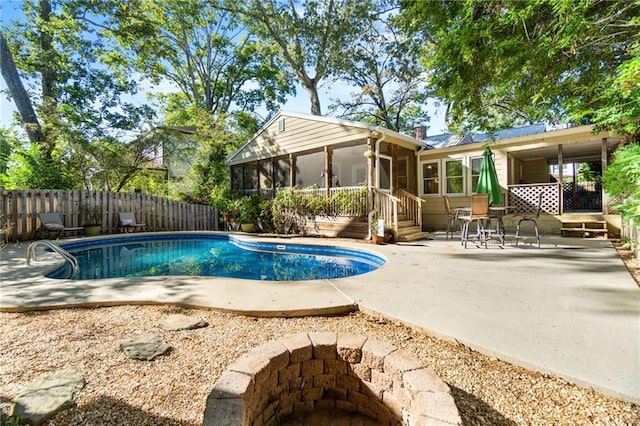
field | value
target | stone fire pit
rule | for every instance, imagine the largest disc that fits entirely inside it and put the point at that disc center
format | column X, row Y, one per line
column 333, row 375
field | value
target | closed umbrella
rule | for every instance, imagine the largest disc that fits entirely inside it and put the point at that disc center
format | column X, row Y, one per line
column 488, row 179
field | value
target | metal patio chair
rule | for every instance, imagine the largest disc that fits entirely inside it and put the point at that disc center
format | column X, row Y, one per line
column 531, row 218
column 480, row 215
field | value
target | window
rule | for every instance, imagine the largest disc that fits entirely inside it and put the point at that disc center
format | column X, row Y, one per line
column 454, row 177
column 403, row 170
column 476, row 164
column 430, row 179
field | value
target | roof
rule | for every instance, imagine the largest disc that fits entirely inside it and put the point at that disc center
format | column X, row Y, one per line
column 452, row 139
column 367, row 127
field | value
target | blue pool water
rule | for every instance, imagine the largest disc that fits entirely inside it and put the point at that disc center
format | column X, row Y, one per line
column 212, row 255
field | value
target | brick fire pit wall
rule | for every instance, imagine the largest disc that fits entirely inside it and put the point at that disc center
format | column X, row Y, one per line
column 298, row 374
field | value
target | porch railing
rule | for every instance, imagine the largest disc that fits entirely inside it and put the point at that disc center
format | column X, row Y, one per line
column 386, row 208
column 524, row 198
column 340, row 201
column 411, row 205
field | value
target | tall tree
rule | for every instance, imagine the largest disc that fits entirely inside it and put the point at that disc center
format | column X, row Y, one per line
column 311, row 36
column 28, row 116
column 531, row 59
column 204, row 51
column 391, row 85
column 77, row 100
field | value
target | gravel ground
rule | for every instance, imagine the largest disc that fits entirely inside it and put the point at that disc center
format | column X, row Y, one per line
column 172, row 389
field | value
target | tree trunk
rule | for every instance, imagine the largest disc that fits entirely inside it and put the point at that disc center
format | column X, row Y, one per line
column 46, row 44
column 18, row 93
column 311, row 87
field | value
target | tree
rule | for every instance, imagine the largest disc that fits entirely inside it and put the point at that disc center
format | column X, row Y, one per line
column 311, row 36
column 391, row 84
column 205, row 52
column 75, row 97
column 531, row 60
column 622, row 180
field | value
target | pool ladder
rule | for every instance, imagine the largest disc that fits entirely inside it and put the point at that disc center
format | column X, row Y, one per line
column 68, row 257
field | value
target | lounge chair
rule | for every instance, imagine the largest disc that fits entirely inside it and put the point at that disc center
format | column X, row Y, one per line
column 128, row 223
column 51, row 225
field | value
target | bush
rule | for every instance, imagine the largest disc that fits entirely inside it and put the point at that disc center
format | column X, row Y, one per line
column 622, row 179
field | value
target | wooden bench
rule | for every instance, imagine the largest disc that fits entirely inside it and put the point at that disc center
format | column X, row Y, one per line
column 585, row 227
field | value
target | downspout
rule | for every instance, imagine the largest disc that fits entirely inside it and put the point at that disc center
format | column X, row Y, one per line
column 371, row 184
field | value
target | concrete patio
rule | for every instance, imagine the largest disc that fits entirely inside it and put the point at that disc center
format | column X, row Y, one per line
column 570, row 308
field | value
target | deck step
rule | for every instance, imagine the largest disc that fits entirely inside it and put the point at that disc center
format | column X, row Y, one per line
column 587, row 228
column 414, row 236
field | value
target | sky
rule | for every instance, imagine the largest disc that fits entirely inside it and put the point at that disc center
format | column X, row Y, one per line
column 10, row 10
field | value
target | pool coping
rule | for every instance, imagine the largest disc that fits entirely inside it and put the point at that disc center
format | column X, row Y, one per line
column 231, row 295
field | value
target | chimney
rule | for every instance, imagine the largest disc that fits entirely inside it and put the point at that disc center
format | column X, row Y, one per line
column 420, row 132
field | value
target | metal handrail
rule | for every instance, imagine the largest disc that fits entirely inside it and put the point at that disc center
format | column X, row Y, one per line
column 68, row 257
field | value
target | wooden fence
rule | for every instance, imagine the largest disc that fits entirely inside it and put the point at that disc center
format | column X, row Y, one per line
column 20, row 208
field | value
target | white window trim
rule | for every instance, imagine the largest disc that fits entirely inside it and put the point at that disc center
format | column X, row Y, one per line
column 421, row 183
column 465, row 175
column 470, row 183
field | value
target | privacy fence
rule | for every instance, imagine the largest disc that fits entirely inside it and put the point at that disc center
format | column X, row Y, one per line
column 19, row 209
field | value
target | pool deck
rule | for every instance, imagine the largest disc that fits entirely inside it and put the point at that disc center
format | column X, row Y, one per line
column 570, row 308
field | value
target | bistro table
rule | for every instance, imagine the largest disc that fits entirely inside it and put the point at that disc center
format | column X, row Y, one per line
column 498, row 212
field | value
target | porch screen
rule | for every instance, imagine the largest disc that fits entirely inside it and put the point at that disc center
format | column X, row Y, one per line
column 250, row 177
column 310, row 170
column 236, row 178
column 283, row 171
column 349, row 166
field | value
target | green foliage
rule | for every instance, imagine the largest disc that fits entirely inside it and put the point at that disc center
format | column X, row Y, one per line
column 622, row 181
column 10, row 420
column 31, row 168
column 391, row 87
column 203, row 51
column 290, row 209
column 494, row 62
column 345, row 202
column 309, row 36
column 247, row 208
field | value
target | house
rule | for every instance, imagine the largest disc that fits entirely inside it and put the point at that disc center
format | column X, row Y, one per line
column 565, row 165
column 407, row 176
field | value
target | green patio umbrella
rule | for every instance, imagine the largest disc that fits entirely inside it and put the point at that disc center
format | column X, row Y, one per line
column 488, row 179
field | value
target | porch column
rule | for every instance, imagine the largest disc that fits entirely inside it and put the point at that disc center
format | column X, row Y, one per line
column 371, row 169
column 292, row 170
column 259, row 174
column 327, row 169
column 560, row 179
column 605, row 164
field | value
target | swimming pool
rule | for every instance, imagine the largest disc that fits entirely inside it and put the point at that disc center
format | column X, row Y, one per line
column 220, row 255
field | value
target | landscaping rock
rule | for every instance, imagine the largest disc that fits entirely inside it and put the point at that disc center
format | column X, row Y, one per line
column 43, row 398
column 145, row 347
column 182, row 322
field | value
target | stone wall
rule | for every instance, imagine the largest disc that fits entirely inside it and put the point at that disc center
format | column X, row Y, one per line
column 302, row 373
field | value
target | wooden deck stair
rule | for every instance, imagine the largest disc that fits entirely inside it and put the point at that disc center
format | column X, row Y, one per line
column 408, row 232
column 587, row 228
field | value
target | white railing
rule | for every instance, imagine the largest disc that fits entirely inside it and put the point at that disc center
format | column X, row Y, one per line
column 411, row 205
column 385, row 207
